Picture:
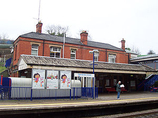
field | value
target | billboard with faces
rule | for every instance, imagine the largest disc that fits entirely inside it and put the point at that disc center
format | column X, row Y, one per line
column 38, row 78
column 65, row 79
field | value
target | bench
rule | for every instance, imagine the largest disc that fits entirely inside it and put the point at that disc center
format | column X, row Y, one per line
column 123, row 89
column 111, row 90
column 153, row 89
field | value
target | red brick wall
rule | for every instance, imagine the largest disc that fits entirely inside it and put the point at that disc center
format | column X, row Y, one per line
column 82, row 52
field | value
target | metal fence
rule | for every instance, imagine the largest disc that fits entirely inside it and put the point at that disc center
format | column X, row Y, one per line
column 29, row 93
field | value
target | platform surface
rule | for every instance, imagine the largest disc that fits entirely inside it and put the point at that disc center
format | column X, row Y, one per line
column 107, row 99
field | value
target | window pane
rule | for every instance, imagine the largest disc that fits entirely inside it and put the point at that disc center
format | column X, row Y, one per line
column 58, row 49
column 112, row 58
column 51, row 54
column 54, row 49
column 55, row 52
column 72, row 56
column 58, row 55
column 34, row 46
column 34, row 52
column 95, row 58
column 73, row 51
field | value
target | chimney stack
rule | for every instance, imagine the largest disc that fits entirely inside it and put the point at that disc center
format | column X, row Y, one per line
column 39, row 27
column 123, row 44
column 84, row 36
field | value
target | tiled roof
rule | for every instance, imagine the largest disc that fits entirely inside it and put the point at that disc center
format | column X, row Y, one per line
column 69, row 40
column 59, row 62
column 149, row 57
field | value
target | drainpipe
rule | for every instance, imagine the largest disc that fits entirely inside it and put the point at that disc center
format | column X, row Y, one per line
column 43, row 47
column 63, row 44
column 106, row 56
column 128, row 58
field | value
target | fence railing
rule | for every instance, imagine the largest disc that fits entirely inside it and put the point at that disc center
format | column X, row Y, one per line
column 29, row 93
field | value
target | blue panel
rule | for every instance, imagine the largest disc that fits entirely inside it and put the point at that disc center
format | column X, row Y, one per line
column 8, row 62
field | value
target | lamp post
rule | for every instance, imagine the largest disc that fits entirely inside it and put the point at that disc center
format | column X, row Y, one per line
column 94, row 52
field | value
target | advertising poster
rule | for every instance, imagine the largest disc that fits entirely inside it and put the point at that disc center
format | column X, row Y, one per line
column 38, row 79
column 52, row 79
column 65, row 79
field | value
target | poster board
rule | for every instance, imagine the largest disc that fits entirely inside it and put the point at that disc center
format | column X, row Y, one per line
column 38, row 78
column 52, row 79
column 65, row 79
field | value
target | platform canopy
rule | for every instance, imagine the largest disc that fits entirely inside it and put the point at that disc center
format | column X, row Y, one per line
column 43, row 62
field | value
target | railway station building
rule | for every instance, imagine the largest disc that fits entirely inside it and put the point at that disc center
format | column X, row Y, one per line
column 36, row 50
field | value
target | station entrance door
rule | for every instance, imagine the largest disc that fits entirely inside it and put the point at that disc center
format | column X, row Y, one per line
column 87, row 80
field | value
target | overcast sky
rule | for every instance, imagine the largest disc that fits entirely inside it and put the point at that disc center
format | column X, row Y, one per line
column 107, row 21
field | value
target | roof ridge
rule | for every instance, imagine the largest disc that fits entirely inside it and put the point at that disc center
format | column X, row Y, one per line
column 65, row 62
column 82, row 60
column 70, row 40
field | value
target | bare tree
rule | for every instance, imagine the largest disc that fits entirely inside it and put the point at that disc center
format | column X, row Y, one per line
column 3, row 37
column 134, row 49
column 89, row 35
column 56, row 30
column 151, row 52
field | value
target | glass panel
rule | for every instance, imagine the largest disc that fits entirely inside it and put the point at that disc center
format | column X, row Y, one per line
column 54, row 49
column 95, row 58
column 58, row 55
column 34, row 52
column 85, row 82
column 112, row 58
column 58, row 49
column 72, row 56
column 51, row 54
column 73, row 51
column 35, row 46
column 55, row 52
column 89, row 82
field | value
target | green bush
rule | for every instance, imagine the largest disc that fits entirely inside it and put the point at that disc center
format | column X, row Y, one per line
column 2, row 69
column 156, row 84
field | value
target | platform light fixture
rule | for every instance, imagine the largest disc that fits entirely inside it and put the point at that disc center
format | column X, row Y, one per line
column 95, row 53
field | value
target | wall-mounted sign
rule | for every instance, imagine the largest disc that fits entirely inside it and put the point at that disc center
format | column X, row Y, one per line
column 52, row 79
column 65, row 79
column 38, row 77
column 83, row 75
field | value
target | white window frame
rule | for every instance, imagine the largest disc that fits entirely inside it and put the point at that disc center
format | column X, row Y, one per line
column 112, row 58
column 34, row 49
column 96, row 55
column 73, row 52
column 52, row 50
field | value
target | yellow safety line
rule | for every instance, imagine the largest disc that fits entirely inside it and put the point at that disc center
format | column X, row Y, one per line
column 76, row 103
